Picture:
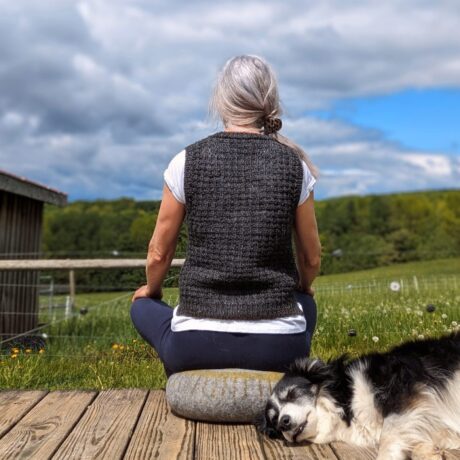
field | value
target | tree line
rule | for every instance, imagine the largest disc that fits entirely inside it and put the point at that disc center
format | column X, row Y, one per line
column 356, row 232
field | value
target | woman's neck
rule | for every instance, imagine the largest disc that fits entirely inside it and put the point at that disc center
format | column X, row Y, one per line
column 241, row 129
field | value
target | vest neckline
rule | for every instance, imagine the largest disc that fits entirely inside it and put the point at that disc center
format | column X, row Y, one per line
column 240, row 134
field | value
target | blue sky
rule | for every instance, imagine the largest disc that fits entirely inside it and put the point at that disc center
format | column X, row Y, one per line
column 425, row 120
column 96, row 97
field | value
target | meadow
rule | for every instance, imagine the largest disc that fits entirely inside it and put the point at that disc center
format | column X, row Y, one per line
column 361, row 311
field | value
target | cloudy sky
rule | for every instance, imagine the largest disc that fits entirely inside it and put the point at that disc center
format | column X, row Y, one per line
column 97, row 96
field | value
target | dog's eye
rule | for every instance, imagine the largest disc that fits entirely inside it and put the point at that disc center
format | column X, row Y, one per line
column 291, row 395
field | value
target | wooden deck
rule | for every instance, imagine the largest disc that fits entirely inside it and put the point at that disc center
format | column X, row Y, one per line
column 133, row 424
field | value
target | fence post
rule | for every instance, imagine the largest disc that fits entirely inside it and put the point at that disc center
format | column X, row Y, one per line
column 72, row 288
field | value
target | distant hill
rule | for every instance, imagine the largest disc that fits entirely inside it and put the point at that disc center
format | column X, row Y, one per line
column 357, row 232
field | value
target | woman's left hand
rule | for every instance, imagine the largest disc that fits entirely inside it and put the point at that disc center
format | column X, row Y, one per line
column 144, row 291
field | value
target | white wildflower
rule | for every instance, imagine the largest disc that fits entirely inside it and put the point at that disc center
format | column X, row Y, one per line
column 375, row 339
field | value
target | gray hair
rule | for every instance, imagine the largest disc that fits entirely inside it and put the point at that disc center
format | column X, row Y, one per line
column 246, row 94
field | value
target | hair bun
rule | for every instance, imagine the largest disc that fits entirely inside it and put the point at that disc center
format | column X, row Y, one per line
column 271, row 125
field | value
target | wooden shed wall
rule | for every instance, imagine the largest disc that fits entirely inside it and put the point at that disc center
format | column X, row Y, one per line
column 20, row 238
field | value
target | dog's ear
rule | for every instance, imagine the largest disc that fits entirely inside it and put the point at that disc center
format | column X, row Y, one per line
column 263, row 426
column 315, row 370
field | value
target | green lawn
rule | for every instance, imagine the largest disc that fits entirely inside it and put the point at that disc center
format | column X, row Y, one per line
column 101, row 349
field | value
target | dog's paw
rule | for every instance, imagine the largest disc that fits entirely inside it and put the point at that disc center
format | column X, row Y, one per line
column 426, row 451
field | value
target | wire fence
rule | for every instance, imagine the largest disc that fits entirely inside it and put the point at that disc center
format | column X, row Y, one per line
column 123, row 254
column 390, row 287
column 96, row 327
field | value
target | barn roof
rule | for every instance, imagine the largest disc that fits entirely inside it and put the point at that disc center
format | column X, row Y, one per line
column 25, row 187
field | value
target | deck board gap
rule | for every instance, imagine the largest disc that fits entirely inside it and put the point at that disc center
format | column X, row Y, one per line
column 133, row 429
column 194, row 441
column 261, row 442
column 334, row 451
column 96, row 393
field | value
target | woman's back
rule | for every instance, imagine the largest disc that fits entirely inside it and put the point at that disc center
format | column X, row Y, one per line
column 241, row 193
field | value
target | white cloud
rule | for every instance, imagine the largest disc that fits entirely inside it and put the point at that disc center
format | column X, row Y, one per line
column 436, row 165
column 96, row 97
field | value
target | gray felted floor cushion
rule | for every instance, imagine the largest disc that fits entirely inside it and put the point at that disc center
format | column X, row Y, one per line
column 220, row 395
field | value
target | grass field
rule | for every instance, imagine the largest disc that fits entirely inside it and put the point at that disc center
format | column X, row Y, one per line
column 357, row 312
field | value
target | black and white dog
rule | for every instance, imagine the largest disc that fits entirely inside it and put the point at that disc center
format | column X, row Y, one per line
column 405, row 402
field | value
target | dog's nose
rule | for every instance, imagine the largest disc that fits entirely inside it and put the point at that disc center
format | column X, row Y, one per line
column 285, row 423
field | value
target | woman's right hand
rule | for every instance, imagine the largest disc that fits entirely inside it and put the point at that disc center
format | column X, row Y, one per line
column 309, row 290
column 144, row 291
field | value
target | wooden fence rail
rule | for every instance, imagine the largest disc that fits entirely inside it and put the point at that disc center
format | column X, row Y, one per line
column 76, row 264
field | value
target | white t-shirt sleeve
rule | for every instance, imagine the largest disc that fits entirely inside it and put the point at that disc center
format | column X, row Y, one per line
column 174, row 176
column 307, row 183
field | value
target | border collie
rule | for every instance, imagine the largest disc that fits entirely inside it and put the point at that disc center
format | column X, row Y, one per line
column 405, row 402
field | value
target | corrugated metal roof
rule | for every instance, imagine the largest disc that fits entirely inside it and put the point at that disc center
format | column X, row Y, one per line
column 30, row 189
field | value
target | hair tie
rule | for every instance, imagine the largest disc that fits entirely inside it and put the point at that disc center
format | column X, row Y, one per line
column 271, row 125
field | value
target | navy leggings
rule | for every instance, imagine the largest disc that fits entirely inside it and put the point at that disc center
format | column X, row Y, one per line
column 180, row 351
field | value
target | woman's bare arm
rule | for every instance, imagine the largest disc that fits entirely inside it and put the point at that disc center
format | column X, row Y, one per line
column 308, row 246
column 162, row 245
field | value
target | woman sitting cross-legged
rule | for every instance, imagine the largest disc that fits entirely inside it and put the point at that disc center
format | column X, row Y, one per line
column 245, row 295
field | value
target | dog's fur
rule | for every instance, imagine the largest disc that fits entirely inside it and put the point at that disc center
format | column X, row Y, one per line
column 404, row 402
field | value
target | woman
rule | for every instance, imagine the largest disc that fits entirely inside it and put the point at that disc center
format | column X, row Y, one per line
column 245, row 300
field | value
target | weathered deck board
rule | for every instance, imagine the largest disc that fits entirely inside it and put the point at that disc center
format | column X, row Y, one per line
column 275, row 449
column 45, row 426
column 346, row 452
column 14, row 404
column 232, row 442
column 136, row 424
column 105, row 428
column 160, row 434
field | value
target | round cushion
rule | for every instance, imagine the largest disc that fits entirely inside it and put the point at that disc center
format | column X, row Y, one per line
column 220, row 395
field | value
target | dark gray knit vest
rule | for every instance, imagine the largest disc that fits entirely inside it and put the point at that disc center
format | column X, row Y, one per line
column 241, row 194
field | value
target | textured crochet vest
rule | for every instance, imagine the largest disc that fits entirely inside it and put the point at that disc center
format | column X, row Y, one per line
column 241, row 193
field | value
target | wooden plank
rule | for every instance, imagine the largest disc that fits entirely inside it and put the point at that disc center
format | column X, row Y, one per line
column 16, row 403
column 229, row 442
column 348, row 452
column 275, row 449
column 105, row 428
column 160, row 434
column 40, row 432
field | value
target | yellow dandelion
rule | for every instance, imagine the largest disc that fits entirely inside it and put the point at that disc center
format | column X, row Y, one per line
column 28, row 350
column 115, row 346
column 134, row 340
column 14, row 356
column 122, row 347
column 15, row 350
column 42, row 350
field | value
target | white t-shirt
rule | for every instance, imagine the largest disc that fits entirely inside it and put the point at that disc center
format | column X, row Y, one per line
column 174, row 178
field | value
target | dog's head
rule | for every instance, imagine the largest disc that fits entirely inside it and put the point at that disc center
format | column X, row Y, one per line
column 291, row 410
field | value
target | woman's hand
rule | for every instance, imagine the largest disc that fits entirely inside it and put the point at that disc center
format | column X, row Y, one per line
column 309, row 290
column 144, row 291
